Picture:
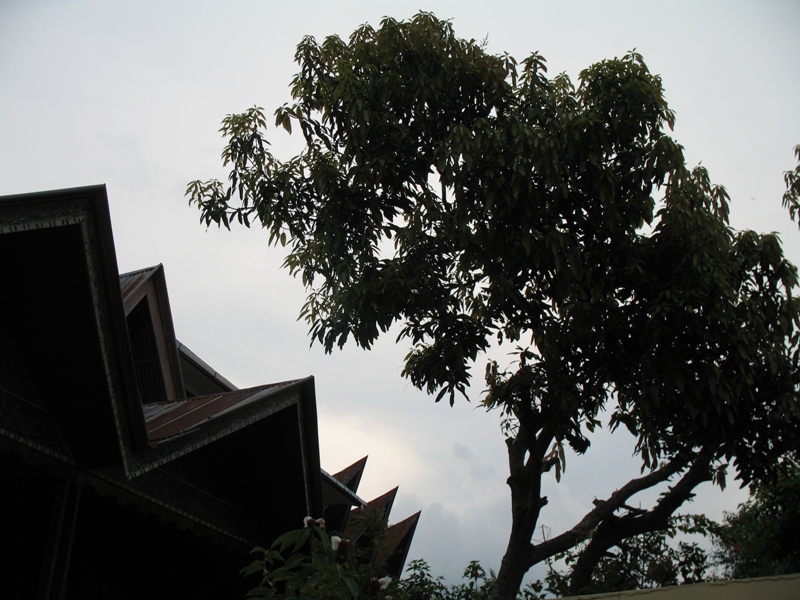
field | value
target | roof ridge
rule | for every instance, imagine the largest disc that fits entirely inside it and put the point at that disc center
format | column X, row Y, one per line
column 142, row 270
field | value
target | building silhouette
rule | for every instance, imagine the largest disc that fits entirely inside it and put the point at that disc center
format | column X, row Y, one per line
column 130, row 468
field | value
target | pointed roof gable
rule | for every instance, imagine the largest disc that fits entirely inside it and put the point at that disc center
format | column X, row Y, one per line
column 360, row 520
column 351, row 476
column 383, row 502
column 389, row 548
column 396, row 544
column 69, row 325
column 339, row 495
column 152, row 335
column 64, row 322
column 95, row 384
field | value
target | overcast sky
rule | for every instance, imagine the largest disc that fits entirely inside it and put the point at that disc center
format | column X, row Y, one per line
column 131, row 94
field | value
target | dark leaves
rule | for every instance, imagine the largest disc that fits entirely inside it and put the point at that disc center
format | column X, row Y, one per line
column 442, row 190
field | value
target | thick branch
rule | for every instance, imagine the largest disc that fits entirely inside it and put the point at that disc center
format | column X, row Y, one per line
column 604, row 509
column 525, row 473
column 614, row 530
column 525, row 440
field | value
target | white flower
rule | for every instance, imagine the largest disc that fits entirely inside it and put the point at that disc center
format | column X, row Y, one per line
column 308, row 521
column 335, row 541
column 385, row 581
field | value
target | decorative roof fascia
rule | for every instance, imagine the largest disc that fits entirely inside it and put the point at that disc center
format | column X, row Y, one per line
column 340, row 488
column 190, row 356
column 150, row 285
column 255, row 404
column 87, row 209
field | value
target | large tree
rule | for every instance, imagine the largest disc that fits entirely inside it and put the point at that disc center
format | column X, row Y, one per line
column 476, row 201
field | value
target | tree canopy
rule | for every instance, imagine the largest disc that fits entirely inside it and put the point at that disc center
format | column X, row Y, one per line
column 473, row 200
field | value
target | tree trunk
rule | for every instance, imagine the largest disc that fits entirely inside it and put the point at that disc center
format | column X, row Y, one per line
column 516, row 563
column 526, row 503
column 525, row 482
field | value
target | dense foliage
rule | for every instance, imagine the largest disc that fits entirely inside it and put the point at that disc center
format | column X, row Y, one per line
column 419, row 584
column 763, row 536
column 791, row 199
column 311, row 564
column 475, row 201
column 654, row 559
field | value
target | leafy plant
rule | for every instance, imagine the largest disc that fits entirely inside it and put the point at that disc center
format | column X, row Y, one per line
column 308, row 563
column 763, row 536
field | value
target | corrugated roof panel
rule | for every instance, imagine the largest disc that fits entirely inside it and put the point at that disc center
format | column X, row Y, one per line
column 351, row 476
column 128, row 282
column 167, row 420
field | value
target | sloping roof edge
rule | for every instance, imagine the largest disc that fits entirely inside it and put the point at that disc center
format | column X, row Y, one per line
column 398, row 543
column 253, row 409
column 346, row 493
column 135, row 287
column 351, row 476
column 88, row 208
column 184, row 351
column 309, row 442
column 358, row 522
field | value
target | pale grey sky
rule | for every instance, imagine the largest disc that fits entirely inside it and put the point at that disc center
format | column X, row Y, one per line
column 131, row 93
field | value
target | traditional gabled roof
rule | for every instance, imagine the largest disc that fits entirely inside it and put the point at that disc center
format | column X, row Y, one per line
column 256, row 449
column 339, row 495
column 351, row 476
column 396, row 543
column 167, row 421
column 152, row 335
column 178, row 373
column 99, row 390
column 361, row 521
column 71, row 322
column 65, row 325
column 386, row 545
column 384, row 502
